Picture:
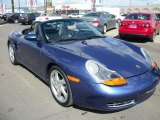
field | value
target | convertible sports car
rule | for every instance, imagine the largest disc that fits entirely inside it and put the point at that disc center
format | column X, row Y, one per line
column 83, row 67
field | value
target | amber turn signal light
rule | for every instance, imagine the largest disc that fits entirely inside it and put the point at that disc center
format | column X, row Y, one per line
column 73, row 79
column 115, row 82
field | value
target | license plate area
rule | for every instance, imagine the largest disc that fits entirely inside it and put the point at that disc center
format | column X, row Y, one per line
column 133, row 26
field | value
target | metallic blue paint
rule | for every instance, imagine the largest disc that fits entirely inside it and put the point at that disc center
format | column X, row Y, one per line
column 71, row 57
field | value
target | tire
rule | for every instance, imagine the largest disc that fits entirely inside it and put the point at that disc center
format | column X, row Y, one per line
column 152, row 39
column 12, row 56
column 60, row 87
column 104, row 29
column 158, row 33
column 119, row 20
column 121, row 36
column 116, row 26
column 16, row 21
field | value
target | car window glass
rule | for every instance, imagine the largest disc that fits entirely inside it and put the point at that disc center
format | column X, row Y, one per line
column 64, row 30
column 104, row 15
column 109, row 16
column 138, row 16
column 34, row 28
column 154, row 17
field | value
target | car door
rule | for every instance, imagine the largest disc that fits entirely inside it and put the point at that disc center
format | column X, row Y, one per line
column 30, row 51
column 112, row 20
column 107, row 19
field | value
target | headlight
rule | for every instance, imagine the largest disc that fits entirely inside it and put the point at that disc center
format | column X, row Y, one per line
column 148, row 58
column 104, row 75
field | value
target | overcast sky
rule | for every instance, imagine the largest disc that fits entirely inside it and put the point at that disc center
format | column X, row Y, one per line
column 105, row 2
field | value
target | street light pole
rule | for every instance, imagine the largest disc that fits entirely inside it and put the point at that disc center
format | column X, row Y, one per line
column 2, row 6
column 94, row 5
column 19, row 5
column 45, row 7
column 12, row 3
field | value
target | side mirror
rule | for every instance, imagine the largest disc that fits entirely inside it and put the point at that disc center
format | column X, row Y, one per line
column 31, row 37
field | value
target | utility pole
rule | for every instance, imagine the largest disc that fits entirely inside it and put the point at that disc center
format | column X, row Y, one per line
column 93, row 5
column 2, row 6
column 12, row 3
column 19, row 4
column 45, row 6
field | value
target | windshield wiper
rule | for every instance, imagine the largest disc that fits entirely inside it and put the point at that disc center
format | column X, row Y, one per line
column 92, row 37
column 64, row 40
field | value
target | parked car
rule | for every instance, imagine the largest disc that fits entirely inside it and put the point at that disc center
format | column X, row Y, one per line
column 1, row 16
column 120, row 17
column 4, row 16
column 102, row 20
column 46, row 17
column 140, row 24
column 84, row 67
column 158, row 15
column 28, row 18
column 14, row 17
column 75, row 15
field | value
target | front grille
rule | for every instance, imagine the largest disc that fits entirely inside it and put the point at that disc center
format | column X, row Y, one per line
column 120, row 104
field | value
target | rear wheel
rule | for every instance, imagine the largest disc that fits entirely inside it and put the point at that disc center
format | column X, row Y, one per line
column 12, row 54
column 121, row 36
column 60, row 87
column 119, row 20
column 158, row 32
column 116, row 25
column 104, row 29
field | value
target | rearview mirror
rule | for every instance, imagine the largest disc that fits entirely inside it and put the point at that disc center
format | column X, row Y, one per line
column 31, row 37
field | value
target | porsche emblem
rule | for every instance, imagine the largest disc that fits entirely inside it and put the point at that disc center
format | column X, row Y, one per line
column 137, row 66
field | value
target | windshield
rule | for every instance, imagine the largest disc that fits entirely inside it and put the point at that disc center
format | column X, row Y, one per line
column 25, row 15
column 138, row 16
column 69, row 30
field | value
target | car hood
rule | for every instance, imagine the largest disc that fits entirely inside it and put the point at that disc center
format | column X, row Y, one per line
column 112, row 53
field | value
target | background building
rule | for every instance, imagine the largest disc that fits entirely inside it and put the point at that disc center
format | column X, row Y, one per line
column 151, row 8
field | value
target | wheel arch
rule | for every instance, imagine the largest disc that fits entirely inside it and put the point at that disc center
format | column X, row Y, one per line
column 49, row 66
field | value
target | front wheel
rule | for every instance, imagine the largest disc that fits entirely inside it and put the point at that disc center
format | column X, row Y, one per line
column 12, row 54
column 60, row 87
column 15, row 21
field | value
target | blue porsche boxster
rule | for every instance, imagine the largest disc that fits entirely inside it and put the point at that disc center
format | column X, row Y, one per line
column 83, row 67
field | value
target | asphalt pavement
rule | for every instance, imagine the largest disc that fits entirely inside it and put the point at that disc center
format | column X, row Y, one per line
column 23, row 96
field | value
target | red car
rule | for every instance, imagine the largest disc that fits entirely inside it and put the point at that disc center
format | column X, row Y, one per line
column 140, row 24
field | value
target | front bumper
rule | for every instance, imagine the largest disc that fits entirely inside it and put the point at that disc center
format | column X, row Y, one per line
column 106, row 98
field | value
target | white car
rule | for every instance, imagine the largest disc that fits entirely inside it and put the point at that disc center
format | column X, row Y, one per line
column 75, row 15
column 46, row 17
column 121, row 17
